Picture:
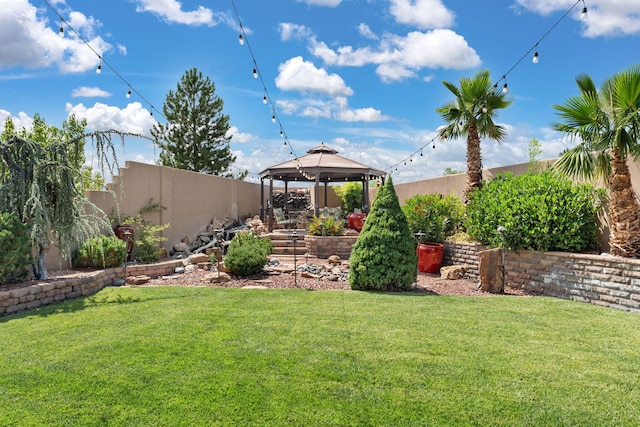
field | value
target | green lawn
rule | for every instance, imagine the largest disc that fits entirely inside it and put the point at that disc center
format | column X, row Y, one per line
column 178, row 356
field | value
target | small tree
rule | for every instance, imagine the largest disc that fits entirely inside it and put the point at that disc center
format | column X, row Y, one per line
column 351, row 195
column 195, row 138
column 384, row 256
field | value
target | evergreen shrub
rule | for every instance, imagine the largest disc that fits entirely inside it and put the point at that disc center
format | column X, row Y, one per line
column 247, row 254
column 100, row 252
column 541, row 212
column 15, row 248
column 384, row 256
column 436, row 216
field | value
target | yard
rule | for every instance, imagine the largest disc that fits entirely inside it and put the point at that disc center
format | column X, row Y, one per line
column 169, row 356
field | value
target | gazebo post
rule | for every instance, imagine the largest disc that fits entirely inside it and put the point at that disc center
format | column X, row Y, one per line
column 317, row 194
column 262, row 199
column 270, row 205
column 286, row 197
column 325, row 193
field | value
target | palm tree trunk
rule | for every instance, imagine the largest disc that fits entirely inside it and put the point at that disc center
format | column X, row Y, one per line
column 474, row 161
column 624, row 211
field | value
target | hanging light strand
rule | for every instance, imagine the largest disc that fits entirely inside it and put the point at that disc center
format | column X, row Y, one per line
column 504, row 88
column 266, row 99
column 102, row 62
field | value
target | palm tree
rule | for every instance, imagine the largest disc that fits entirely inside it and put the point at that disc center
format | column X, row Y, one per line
column 607, row 127
column 472, row 114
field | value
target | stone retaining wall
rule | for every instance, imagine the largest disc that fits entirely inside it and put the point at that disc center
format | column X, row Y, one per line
column 325, row 246
column 40, row 294
column 596, row 279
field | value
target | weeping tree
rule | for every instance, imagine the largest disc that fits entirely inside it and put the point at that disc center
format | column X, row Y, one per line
column 41, row 183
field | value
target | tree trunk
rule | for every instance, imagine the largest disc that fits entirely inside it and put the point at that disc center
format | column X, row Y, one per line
column 40, row 266
column 624, row 209
column 474, row 161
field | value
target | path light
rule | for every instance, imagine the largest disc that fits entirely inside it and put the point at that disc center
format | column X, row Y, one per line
column 294, row 237
column 419, row 235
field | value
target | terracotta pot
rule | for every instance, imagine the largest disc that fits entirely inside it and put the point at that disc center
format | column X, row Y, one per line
column 430, row 257
column 119, row 231
column 356, row 220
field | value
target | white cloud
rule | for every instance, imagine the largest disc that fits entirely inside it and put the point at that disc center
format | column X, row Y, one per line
column 422, row 13
column 366, row 32
column 239, row 137
column 360, row 115
column 605, row 17
column 289, row 31
column 22, row 121
column 302, row 76
column 327, row 3
column 29, row 42
column 399, row 57
column 133, row 118
column 171, row 11
column 90, row 92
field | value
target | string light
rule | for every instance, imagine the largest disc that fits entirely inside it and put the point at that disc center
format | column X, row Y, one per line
column 255, row 73
column 583, row 14
column 99, row 69
column 61, row 30
column 241, row 40
column 535, row 58
column 128, row 95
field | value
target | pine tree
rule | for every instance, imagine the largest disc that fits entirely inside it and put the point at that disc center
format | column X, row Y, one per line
column 384, row 256
column 195, row 138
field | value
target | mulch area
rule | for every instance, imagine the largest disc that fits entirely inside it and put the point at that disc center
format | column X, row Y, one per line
column 426, row 283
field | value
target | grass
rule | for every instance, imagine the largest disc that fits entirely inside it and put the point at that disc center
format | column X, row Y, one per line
column 212, row 356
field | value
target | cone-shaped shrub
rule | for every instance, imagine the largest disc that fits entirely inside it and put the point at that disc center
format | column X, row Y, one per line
column 384, row 256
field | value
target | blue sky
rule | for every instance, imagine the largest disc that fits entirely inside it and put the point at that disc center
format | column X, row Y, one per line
column 362, row 76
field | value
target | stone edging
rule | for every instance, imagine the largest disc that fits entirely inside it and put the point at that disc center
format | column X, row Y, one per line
column 41, row 294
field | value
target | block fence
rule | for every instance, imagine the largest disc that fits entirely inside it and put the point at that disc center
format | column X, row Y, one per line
column 41, row 294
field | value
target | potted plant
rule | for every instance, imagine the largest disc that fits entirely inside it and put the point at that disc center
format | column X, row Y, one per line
column 432, row 218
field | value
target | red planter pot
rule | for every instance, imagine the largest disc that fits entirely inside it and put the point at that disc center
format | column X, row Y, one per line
column 356, row 220
column 429, row 257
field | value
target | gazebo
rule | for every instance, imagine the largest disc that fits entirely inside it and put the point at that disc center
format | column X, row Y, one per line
column 321, row 164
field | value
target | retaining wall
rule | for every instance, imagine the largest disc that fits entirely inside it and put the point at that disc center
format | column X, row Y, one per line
column 325, row 246
column 41, row 294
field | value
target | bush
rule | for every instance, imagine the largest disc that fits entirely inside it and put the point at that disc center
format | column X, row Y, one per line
column 540, row 212
column 247, row 254
column 436, row 216
column 351, row 195
column 384, row 256
column 100, row 252
column 15, row 248
column 147, row 243
column 328, row 226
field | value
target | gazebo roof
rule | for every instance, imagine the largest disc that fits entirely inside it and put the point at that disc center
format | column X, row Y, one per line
column 324, row 162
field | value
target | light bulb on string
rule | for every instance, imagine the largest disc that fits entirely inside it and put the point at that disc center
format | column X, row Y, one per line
column 505, row 88
column 128, row 95
column 484, row 108
column 434, row 145
column 61, row 31
column 273, row 118
column 255, row 73
column 241, row 40
column 583, row 14
column 421, row 152
column 264, row 99
column 99, row 69
column 535, row 58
